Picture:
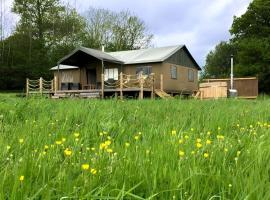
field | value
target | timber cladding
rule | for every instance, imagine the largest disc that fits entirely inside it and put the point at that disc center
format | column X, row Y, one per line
column 246, row 87
column 178, row 84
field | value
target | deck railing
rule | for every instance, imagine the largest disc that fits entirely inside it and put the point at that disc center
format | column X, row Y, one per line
column 124, row 82
column 39, row 86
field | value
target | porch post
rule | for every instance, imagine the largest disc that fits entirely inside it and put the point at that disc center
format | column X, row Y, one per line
column 153, row 86
column 121, row 85
column 57, row 78
column 141, row 87
column 161, row 82
column 102, row 86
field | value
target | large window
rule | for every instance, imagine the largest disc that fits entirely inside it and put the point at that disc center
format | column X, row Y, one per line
column 144, row 70
column 111, row 74
column 173, row 72
column 191, row 75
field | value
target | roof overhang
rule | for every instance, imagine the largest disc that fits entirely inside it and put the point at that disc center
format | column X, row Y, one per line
column 93, row 53
column 63, row 67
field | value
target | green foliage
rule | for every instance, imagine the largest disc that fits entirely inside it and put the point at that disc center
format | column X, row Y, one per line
column 237, row 166
column 48, row 30
column 251, row 42
column 218, row 62
column 117, row 31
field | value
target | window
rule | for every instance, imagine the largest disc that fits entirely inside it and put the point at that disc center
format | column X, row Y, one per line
column 111, row 74
column 144, row 70
column 191, row 75
column 173, row 72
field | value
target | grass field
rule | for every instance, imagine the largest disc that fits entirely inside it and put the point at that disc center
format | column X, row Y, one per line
column 177, row 149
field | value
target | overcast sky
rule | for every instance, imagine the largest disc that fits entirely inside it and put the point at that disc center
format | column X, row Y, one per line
column 199, row 24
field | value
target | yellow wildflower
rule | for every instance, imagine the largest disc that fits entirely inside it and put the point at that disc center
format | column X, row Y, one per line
column 8, row 147
column 93, row 171
column 21, row 178
column 192, row 152
column 21, row 140
column 102, row 146
column 206, row 155
column 225, row 149
column 230, row 185
column 109, row 150
column 219, row 128
column 127, row 144
column 140, row 133
column 208, row 141
column 181, row 141
column 198, row 140
column 186, row 137
column 136, row 137
column 108, row 142
column 85, row 166
column 208, row 133
column 220, row 137
column 58, row 142
column 100, row 133
column 147, row 151
column 76, row 139
column 46, row 147
column 76, row 134
column 173, row 132
column 198, row 145
column 181, row 153
column 63, row 139
column 68, row 152
column 192, row 129
column 93, row 148
column 238, row 153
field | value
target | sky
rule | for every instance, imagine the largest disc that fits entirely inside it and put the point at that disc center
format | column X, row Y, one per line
column 199, row 24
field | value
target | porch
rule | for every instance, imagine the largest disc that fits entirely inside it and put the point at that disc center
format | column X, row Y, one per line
column 124, row 85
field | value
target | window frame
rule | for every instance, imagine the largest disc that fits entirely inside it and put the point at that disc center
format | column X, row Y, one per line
column 143, row 69
column 111, row 74
column 173, row 70
column 191, row 77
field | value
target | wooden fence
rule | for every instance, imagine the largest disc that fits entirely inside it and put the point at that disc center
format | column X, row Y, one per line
column 39, row 86
column 127, row 82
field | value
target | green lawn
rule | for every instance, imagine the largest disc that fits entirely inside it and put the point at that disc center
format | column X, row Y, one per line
column 176, row 149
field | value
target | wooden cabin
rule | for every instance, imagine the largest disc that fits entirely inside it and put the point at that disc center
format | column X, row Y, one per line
column 172, row 70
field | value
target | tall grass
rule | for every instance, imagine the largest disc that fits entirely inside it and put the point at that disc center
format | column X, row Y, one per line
column 134, row 149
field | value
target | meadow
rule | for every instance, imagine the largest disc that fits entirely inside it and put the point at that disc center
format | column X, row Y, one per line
column 93, row 149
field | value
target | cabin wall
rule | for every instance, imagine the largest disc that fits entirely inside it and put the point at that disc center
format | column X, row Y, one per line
column 181, row 83
column 68, row 76
column 171, row 85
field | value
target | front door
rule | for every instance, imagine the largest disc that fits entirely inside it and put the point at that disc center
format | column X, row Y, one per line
column 92, row 78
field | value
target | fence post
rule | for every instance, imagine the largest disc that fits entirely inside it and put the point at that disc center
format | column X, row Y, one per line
column 52, row 85
column 27, row 87
column 161, row 82
column 141, row 86
column 102, row 86
column 55, row 84
column 40, row 85
column 121, row 85
column 152, row 86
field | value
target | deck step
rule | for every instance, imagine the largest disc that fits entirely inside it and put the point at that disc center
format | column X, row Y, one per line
column 90, row 95
column 162, row 94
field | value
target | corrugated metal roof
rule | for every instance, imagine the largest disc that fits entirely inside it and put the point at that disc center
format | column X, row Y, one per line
column 64, row 67
column 133, row 56
column 146, row 55
column 92, row 52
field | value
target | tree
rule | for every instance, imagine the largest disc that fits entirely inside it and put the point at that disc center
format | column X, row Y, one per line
column 118, row 31
column 251, row 34
column 46, row 31
column 218, row 61
column 251, row 46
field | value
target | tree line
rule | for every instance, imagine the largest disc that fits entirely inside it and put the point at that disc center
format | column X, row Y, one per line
column 249, row 45
column 47, row 30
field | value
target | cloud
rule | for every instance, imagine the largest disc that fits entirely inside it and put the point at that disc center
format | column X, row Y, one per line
column 200, row 24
